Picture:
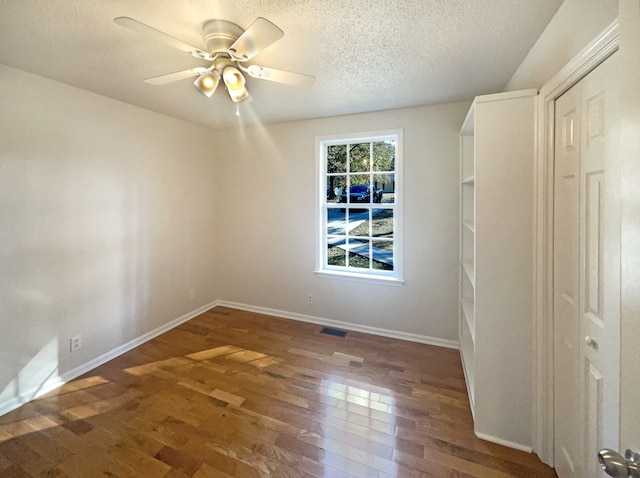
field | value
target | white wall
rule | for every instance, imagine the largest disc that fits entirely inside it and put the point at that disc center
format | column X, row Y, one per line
column 630, row 218
column 574, row 26
column 268, row 199
column 107, row 222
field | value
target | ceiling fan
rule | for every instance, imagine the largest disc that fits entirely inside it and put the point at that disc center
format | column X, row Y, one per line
column 228, row 49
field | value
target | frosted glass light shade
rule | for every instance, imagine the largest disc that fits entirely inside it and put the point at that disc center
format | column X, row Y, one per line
column 234, row 81
column 208, row 82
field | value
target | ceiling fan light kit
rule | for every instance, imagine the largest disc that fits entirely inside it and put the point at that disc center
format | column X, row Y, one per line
column 208, row 82
column 234, row 81
column 229, row 46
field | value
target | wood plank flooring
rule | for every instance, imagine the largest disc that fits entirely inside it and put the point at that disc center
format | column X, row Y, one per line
column 238, row 394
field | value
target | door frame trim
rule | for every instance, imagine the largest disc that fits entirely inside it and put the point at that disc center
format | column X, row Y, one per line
column 601, row 48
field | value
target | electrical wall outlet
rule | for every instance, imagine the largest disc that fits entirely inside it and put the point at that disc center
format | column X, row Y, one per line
column 192, row 294
column 75, row 343
column 310, row 298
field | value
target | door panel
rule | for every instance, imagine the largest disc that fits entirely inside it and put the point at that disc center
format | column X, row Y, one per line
column 586, row 273
column 593, row 234
column 566, row 282
column 600, row 273
column 594, row 384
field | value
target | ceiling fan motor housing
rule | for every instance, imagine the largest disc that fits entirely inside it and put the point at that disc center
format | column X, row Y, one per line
column 219, row 35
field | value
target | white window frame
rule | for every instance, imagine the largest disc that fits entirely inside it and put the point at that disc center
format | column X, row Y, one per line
column 394, row 277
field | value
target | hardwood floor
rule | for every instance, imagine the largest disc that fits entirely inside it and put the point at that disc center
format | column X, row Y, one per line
column 238, row 394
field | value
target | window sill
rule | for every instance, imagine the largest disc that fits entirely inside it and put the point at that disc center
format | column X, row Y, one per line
column 392, row 281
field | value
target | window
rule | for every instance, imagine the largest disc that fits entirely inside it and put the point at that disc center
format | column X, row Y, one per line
column 360, row 213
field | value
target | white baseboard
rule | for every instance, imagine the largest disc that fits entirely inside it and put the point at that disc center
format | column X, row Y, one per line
column 395, row 334
column 510, row 444
column 56, row 381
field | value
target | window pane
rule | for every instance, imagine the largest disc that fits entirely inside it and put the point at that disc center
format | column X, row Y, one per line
column 360, row 179
column 337, row 158
column 336, row 254
column 359, row 191
column 383, row 255
column 335, row 222
column 359, row 254
column 359, row 158
column 382, row 225
column 359, row 222
column 335, row 187
column 386, row 184
column 384, row 156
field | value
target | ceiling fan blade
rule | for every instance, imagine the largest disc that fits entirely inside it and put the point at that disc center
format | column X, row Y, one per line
column 178, row 75
column 162, row 37
column 260, row 34
column 280, row 76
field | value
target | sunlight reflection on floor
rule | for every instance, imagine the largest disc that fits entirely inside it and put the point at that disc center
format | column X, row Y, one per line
column 357, row 410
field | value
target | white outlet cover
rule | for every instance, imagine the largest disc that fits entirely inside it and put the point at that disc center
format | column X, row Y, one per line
column 75, row 343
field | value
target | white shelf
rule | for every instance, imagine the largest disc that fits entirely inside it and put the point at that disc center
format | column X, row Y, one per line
column 495, row 298
column 468, row 364
column 469, row 180
column 468, row 313
column 468, row 266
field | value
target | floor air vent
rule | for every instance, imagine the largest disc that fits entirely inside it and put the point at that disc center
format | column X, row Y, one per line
column 332, row 331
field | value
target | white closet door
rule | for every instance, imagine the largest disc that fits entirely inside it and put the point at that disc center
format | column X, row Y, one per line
column 566, row 295
column 586, row 273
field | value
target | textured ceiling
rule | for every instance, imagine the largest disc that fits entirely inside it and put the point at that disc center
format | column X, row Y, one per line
column 366, row 55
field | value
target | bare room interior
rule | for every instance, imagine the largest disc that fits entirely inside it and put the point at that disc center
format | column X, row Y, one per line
column 320, row 238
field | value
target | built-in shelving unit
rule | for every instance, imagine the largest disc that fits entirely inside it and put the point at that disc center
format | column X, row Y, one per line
column 496, row 264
